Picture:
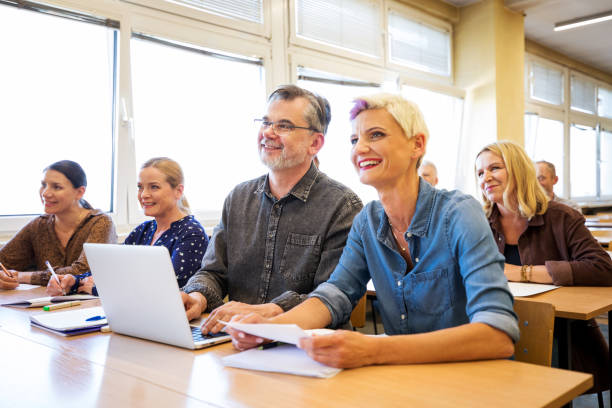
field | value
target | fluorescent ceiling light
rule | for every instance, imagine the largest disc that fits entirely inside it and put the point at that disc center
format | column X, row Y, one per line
column 582, row 21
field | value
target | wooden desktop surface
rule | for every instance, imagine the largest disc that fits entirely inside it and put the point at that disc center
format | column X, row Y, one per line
column 576, row 302
column 41, row 368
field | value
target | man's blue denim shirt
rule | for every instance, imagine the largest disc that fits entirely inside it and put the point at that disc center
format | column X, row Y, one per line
column 458, row 274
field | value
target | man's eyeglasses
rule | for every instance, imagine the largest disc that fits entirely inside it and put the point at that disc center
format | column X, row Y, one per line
column 280, row 128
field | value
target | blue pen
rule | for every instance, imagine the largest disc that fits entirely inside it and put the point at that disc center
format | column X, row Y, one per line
column 94, row 318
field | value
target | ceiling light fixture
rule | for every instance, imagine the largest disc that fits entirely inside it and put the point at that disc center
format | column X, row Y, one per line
column 582, row 21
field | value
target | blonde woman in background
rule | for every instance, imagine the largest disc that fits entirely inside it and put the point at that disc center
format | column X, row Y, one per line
column 544, row 242
column 160, row 193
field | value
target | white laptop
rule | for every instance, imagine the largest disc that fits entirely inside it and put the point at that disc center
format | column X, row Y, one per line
column 140, row 295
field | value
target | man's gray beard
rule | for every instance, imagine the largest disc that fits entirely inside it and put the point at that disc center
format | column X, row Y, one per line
column 281, row 162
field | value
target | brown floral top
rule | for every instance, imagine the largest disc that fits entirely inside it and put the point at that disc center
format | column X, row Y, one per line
column 37, row 242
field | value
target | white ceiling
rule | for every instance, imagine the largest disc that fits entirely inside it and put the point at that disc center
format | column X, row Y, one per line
column 590, row 44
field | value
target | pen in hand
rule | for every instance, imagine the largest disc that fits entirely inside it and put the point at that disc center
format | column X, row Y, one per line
column 50, row 269
column 10, row 275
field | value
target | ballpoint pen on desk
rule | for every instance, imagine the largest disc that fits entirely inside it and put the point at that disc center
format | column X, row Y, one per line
column 50, row 269
column 94, row 318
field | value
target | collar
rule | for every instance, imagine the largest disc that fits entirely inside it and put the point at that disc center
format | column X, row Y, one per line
column 423, row 213
column 302, row 188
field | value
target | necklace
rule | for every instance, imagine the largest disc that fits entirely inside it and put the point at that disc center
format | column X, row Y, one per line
column 399, row 241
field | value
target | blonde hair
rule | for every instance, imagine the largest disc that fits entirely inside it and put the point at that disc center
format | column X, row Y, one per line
column 174, row 176
column 522, row 180
column 406, row 113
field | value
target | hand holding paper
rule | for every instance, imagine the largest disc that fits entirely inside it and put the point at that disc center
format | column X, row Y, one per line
column 286, row 333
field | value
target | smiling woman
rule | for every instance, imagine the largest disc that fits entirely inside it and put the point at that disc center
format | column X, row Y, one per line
column 58, row 235
column 160, row 193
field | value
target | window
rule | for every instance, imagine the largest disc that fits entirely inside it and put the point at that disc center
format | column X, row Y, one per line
column 605, row 161
column 250, row 10
column 605, row 102
column 197, row 107
column 419, row 45
column 443, row 115
column 334, row 157
column 57, row 98
column 583, row 161
column 546, row 83
column 353, row 25
column 544, row 141
column 584, row 95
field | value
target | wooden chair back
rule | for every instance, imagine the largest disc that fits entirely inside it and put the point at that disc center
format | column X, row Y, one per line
column 358, row 316
column 536, row 324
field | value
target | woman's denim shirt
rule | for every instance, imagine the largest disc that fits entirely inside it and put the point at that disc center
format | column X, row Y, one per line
column 457, row 278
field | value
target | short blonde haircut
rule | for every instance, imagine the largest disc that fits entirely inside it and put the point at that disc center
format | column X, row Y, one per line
column 522, row 180
column 406, row 113
column 174, row 176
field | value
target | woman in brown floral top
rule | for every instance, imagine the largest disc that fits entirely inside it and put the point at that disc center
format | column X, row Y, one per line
column 58, row 235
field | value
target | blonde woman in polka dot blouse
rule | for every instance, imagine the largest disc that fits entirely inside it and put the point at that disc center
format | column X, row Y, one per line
column 160, row 193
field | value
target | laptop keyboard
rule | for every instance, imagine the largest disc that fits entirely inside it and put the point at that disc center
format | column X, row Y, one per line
column 197, row 335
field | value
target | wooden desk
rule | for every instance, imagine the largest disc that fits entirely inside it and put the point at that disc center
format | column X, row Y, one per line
column 115, row 370
column 579, row 303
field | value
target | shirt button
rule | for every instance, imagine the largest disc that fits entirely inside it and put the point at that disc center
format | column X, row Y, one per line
column 408, row 234
column 499, row 239
column 416, row 259
column 403, row 316
column 399, row 283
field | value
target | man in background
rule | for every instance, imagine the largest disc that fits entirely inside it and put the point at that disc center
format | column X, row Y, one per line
column 547, row 176
column 429, row 172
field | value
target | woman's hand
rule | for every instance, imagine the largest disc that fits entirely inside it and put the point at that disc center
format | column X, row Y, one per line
column 512, row 272
column 58, row 289
column 86, row 285
column 342, row 349
column 9, row 279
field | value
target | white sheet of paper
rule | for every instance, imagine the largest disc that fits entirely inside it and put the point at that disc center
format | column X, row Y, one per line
column 26, row 286
column 528, row 289
column 285, row 358
column 287, row 333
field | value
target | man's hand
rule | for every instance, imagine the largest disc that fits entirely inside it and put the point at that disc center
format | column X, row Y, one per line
column 342, row 349
column 58, row 289
column 8, row 281
column 230, row 309
column 195, row 304
column 241, row 340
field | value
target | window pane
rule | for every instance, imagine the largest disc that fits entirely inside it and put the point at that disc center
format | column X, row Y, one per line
column 544, row 141
column 583, row 161
column 354, row 25
column 605, row 102
column 56, row 99
column 443, row 115
column 584, row 95
column 334, row 157
column 418, row 45
column 250, row 10
column 606, row 163
column 546, row 84
column 199, row 111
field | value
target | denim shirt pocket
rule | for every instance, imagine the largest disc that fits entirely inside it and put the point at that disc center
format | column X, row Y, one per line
column 300, row 257
column 429, row 292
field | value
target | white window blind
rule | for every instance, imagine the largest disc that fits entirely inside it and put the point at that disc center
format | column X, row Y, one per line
column 605, row 102
column 250, row 10
column 419, row 45
column 547, row 84
column 351, row 24
column 583, row 95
